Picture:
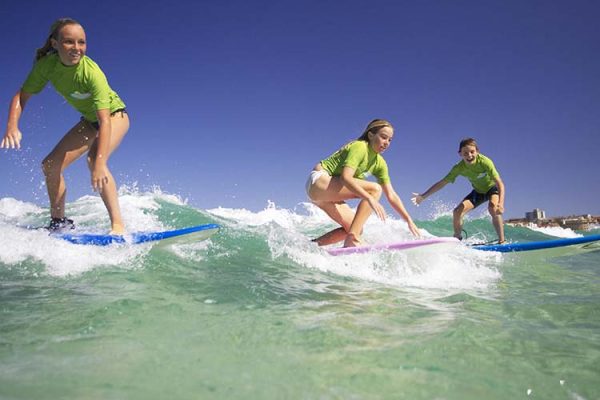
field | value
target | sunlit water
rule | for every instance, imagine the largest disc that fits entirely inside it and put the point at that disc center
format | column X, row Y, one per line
column 259, row 312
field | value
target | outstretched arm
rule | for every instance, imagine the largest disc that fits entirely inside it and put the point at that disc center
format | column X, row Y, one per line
column 418, row 198
column 12, row 137
column 397, row 204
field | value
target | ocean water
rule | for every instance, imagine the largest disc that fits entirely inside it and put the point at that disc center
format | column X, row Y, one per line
column 259, row 312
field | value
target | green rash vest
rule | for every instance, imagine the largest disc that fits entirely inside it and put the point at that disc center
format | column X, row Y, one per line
column 362, row 158
column 83, row 85
column 482, row 173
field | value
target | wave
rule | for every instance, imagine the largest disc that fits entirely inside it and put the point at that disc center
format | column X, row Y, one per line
column 270, row 237
column 288, row 235
column 555, row 231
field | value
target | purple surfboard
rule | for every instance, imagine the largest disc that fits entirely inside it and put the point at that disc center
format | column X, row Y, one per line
column 410, row 244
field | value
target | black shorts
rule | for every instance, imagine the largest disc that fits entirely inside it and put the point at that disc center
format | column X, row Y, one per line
column 477, row 198
column 112, row 114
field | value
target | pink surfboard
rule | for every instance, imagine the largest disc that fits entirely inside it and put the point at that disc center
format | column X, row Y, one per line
column 410, row 244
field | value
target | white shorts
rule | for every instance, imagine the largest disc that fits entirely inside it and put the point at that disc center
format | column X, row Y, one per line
column 312, row 178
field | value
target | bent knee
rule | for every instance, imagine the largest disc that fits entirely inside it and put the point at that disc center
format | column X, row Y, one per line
column 375, row 190
column 460, row 211
column 50, row 166
column 494, row 212
column 316, row 202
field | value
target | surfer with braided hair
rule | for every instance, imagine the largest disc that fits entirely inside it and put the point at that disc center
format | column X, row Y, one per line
column 104, row 122
column 342, row 176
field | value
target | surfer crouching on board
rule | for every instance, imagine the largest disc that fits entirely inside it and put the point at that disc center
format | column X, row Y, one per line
column 104, row 122
column 486, row 182
column 341, row 177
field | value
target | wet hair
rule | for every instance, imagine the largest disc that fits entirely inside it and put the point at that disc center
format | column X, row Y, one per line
column 374, row 126
column 467, row 142
column 54, row 31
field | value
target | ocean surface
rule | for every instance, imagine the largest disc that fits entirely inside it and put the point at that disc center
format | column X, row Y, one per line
column 259, row 312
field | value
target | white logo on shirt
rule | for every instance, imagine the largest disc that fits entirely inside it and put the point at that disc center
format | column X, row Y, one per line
column 481, row 175
column 80, row 96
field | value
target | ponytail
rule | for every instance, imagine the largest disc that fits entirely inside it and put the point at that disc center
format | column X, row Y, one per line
column 374, row 126
column 54, row 31
column 44, row 50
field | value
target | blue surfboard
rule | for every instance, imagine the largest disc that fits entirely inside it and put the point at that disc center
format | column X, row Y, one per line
column 185, row 235
column 544, row 244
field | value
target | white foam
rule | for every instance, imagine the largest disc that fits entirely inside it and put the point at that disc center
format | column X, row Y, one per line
column 13, row 209
column 271, row 214
column 437, row 266
column 195, row 251
column 62, row 258
column 288, row 234
column 556, row 231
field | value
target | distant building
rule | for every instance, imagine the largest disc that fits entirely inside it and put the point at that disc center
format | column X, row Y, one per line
column 575, row 222
column 535, row 215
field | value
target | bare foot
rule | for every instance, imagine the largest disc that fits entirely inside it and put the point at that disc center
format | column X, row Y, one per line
column 352, row 240
column 117, row 229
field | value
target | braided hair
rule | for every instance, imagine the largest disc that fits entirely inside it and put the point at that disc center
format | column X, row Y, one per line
column 54, row 31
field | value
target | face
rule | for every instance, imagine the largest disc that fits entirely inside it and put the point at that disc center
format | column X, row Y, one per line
column 71, row 44
column 382, row 139
column 469, row 153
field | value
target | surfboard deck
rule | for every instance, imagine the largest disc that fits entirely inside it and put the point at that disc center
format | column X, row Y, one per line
column 180, row 236
column 404, row 245
column 590, row 240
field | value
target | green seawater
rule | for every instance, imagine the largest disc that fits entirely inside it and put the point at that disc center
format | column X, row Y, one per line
column 257, row 312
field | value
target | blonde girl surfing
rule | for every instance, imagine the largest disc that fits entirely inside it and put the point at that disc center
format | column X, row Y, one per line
column 342, row 176
column 62, row 61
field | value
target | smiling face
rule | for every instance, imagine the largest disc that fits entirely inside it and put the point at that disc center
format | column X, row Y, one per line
column 381, row 140
column 469, row 153
column 70, row 44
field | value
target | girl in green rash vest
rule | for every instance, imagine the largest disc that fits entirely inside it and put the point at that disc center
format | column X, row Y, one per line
column 342, row 177
column 104, row 122
column 486, row 182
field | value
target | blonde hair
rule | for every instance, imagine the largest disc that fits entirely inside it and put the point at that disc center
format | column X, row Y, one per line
column 374, row 126
column 54, row 31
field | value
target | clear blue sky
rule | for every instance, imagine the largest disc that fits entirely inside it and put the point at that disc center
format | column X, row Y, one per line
column 233, row 102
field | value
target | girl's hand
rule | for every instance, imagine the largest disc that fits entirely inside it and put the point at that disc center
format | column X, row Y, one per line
column 413, row 229
column 377, row 207
column 417, row 199
column 100, row 178
column 12, row 139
